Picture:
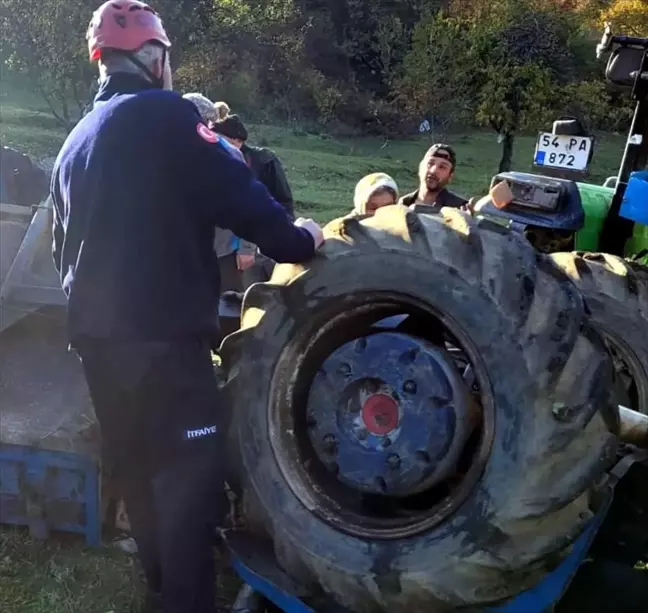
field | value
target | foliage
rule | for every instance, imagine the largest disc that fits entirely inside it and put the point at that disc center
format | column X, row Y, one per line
column 439, row 73
column 627, row 17
column 501, row 63
column 40, row 41
column 378, row 66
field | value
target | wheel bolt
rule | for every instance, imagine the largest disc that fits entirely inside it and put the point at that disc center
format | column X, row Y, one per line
column 362, row 434
column 330, row 444
column 393, row 461
column 361, row 344
column 560, row 411
column 386, row 442
column 410, row 387
column 423, row 456
column 344, row 370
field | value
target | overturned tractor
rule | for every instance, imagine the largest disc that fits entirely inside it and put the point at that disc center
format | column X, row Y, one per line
column 434, row 413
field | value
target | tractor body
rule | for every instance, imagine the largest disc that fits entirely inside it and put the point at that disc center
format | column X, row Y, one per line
column 361, row 456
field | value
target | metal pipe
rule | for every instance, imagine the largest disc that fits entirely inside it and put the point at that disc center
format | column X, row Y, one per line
column 633, row 427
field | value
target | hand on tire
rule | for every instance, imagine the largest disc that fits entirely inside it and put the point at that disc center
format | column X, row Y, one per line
column 313, row 228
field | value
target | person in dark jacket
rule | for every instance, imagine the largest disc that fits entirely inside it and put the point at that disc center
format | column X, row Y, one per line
column 436, row 171
column 268, row 169
column 138, row 188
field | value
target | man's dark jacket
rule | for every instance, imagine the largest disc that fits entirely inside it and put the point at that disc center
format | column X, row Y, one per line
column 138, row 189
column 268, row 169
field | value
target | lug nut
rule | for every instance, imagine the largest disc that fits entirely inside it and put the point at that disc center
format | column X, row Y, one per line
column 361, row 344
column 393, row 461
column 362, row 434
column 423, row 456
column 410, row 387
column 330, row 444
column 386, row 442
column 561, row 411
column 344, row 370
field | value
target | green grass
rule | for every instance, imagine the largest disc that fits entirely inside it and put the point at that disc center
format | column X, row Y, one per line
column 63, row 576
column 323, row 170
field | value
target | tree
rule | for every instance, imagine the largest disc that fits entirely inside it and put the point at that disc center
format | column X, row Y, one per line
column 627, row 17
column 43, row 40
column 514, row 98
column 439, row 76
column 499, row 62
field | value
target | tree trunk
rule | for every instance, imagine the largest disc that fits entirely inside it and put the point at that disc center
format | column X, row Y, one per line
column 507, row 153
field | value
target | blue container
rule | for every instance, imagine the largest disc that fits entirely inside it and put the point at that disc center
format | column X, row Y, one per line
column 50, row 491
column 635, row 201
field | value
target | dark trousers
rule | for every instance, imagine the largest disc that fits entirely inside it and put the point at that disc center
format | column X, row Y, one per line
column 163, row 423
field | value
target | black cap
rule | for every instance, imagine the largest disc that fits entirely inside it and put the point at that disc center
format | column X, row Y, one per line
column 439, row 150
column 232, row 127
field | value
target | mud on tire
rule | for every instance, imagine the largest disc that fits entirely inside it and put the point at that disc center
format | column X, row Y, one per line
column 542, row 374
column 616, row 293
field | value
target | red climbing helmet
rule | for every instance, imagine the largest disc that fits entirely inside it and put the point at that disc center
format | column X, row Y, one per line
column 125, row 25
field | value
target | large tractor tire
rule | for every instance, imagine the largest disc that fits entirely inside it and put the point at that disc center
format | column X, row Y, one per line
column 445, row 462
column 616, row 293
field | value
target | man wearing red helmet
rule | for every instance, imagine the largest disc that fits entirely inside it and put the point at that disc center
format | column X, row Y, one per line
column 138, row 189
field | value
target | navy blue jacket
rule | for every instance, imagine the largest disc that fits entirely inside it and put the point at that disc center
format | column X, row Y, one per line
column 138, row 189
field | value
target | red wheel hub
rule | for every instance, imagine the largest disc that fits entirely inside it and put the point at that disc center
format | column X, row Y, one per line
column 380, row 414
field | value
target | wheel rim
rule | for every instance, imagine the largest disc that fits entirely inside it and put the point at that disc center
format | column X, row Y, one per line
column 402, row 417
column 381, row 430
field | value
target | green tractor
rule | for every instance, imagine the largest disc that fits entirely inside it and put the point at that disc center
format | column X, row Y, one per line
column 438, row 413
column 604, row 227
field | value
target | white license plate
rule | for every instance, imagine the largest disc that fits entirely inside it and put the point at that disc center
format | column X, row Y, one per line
column 566, row 152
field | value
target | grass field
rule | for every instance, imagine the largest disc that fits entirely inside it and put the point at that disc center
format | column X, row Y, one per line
column 62, row 576
column 323, row 170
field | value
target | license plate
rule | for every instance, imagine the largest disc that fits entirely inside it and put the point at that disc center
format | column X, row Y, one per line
column 565, row 152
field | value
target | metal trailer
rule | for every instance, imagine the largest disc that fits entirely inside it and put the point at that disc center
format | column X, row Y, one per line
column 49, row 441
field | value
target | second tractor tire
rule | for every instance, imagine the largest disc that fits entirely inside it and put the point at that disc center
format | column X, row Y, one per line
column 616, row 293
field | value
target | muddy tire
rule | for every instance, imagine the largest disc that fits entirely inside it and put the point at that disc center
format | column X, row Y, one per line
column 616, row 293
column 544, row 438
